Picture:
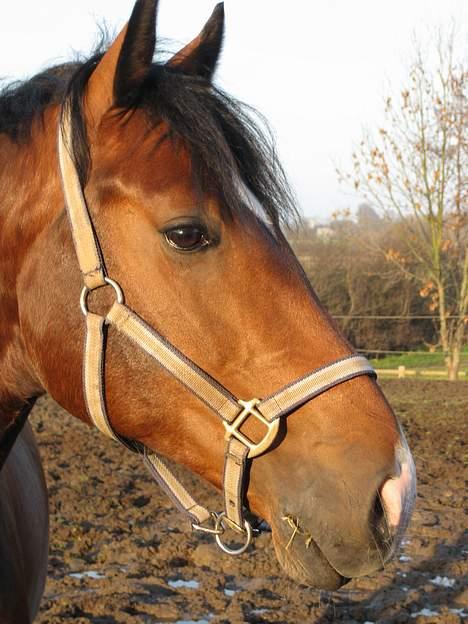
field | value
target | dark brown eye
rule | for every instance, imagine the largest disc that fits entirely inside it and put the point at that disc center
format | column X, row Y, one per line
column 187, row 237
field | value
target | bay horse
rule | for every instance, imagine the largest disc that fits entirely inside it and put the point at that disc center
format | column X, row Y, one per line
column 144, row 272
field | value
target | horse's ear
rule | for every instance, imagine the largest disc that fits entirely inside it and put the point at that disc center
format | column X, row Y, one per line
column 126, row 64
column 200, row 56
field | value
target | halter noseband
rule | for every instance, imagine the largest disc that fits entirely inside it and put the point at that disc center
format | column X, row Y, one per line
column 233, row 411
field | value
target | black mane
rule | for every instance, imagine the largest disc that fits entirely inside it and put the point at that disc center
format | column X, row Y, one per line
column 220, row 131
column 23, row 102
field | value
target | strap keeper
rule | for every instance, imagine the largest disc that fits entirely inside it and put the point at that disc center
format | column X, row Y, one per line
column 94, row 279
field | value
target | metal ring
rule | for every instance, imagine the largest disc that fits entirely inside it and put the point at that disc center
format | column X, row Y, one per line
column 226, row 549
column 85, row 292
column 212, row 531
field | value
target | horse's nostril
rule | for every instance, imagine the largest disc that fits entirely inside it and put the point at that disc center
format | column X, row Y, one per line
column 378, row 520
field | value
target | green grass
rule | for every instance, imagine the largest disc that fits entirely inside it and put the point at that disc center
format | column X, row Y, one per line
column 420, row 360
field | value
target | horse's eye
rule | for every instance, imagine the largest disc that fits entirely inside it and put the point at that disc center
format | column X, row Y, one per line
column 187, row 237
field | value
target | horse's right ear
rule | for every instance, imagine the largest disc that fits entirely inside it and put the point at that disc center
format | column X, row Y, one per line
column 201, row 55
column 126, row 64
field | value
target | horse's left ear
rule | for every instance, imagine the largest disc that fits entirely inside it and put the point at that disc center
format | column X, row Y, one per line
column 126, row 64
column 200, row 56
column 137, row 52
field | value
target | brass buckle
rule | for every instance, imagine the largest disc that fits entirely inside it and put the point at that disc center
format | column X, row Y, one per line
column 249, row 409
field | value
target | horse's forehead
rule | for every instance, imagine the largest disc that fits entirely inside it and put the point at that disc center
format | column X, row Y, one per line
column 141, row 154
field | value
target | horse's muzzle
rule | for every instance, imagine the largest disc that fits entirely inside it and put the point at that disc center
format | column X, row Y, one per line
column 326, row 551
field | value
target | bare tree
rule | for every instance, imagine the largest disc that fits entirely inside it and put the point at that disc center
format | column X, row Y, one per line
column 414, row 170
column 358, row 288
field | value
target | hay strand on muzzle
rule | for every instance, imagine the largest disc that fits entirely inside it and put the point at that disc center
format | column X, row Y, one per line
column 293, row 522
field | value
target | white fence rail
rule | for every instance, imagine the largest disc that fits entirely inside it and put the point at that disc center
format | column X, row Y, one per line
column 402, row 371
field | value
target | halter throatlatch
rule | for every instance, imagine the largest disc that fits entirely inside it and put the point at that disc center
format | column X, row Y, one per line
column 232, row 411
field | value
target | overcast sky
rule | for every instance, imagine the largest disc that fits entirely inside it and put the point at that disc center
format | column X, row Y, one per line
column 317, row 69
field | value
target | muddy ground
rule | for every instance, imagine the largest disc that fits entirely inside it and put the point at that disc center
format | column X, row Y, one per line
column 120, row 553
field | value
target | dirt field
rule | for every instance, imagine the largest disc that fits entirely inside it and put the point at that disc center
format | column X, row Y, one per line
column 120, row 553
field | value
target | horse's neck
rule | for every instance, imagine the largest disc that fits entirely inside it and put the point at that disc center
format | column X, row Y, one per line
column 29, row 186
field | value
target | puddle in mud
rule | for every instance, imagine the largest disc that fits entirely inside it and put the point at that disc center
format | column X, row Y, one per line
column 178, row 583
column 443, row 581
column 425, row 612
column 88, row 574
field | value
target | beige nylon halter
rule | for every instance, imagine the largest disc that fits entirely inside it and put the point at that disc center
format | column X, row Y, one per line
column 232, row 411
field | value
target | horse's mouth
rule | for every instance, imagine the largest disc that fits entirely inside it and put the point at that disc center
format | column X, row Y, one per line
column 298, row 554
column 302, row 556
column 303, row 560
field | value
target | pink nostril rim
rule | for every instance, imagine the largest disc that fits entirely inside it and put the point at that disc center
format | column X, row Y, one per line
column 394, row 493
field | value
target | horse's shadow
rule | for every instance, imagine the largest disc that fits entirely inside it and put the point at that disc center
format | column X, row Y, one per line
column 408, row 592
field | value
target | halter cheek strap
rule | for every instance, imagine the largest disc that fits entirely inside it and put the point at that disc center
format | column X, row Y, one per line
column 232, row 411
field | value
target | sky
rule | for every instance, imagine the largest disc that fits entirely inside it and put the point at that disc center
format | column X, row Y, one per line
column 318, row 70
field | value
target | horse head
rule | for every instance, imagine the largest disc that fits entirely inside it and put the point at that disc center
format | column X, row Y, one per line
column 186, row 199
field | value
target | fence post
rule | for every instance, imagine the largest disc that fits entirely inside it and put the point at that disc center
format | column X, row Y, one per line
column 401, row 372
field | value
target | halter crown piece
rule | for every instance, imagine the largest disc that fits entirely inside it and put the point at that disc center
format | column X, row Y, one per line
column 232, row 411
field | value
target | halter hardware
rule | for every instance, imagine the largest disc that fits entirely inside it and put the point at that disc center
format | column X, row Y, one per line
column 232, row 551
column 215, row 530
column 119, row 296
column 233, row 429
column 239, row 448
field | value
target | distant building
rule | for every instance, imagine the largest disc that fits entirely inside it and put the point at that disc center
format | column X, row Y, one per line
column 321, row 230
column 325, row 232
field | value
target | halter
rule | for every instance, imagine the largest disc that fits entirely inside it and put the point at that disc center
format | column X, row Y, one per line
column 232, row 411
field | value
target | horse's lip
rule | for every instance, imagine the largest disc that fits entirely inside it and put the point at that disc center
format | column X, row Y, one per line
column 293, row 562
column 345, row 578
column 283, row 540
column 262, row 526
column 322, row 555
